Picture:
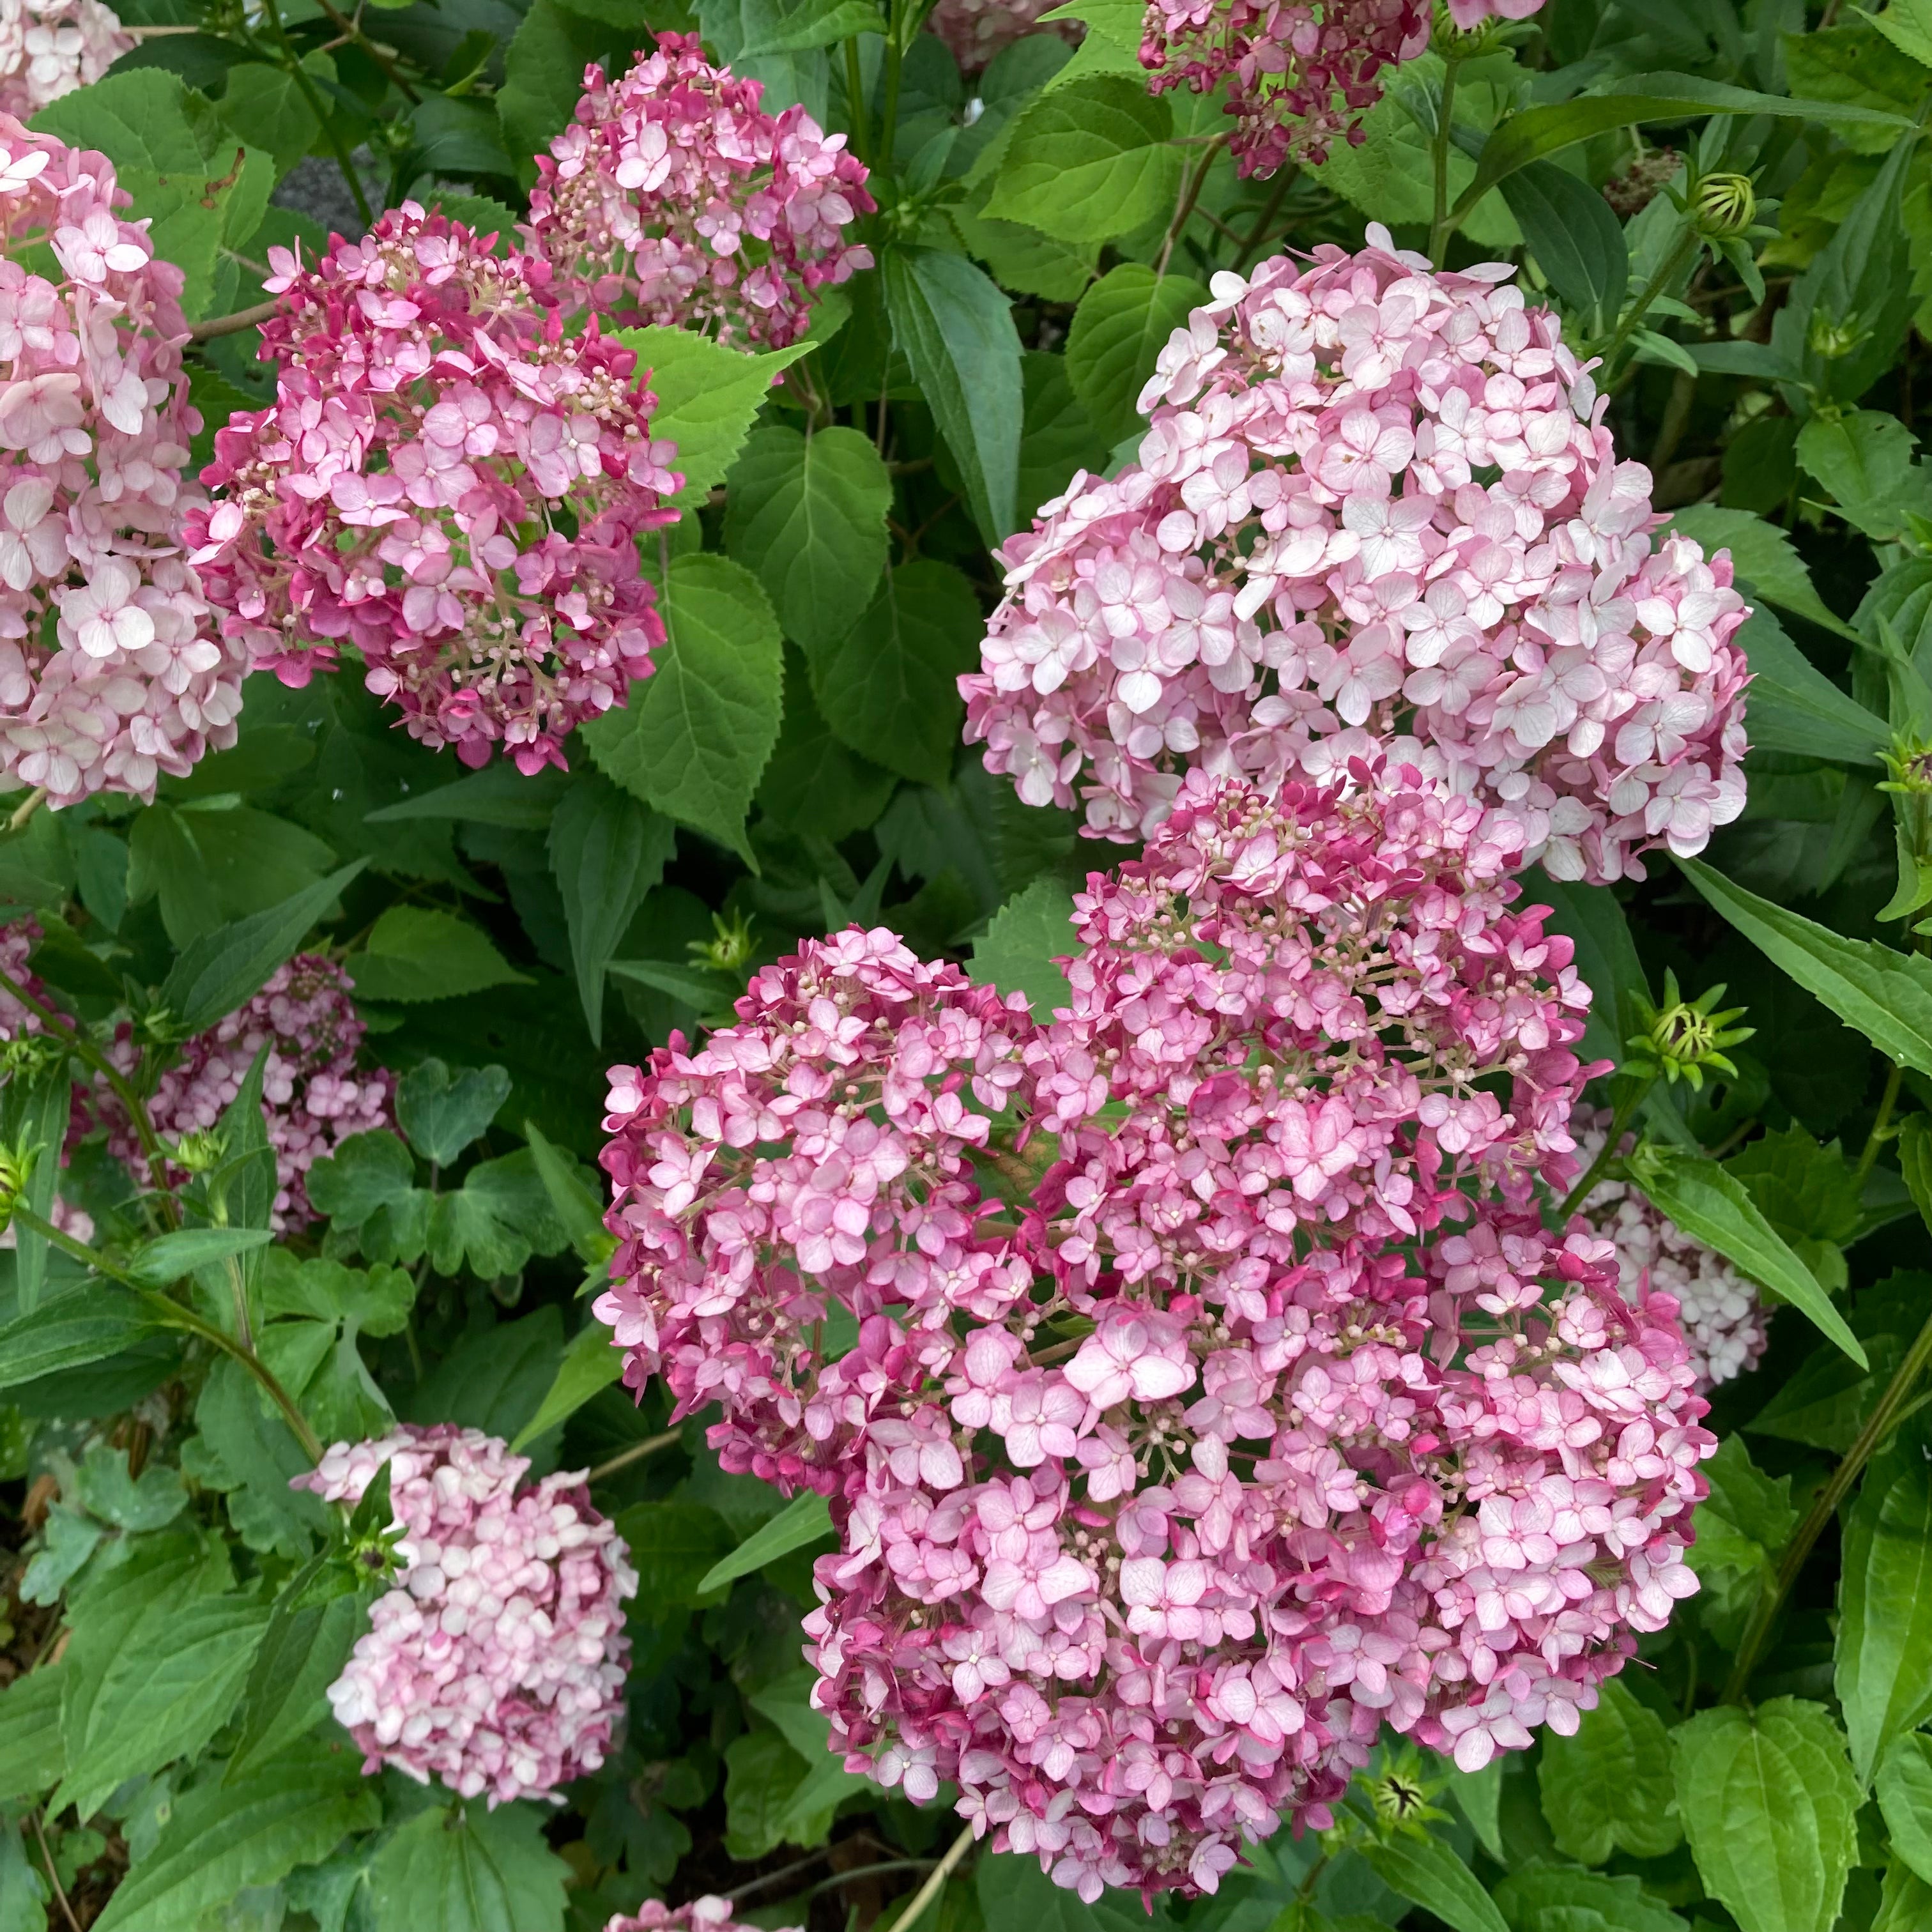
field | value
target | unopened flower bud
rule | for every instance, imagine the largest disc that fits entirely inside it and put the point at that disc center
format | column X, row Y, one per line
column 1723, row 206
column 201, row 1151
column 17, row 1167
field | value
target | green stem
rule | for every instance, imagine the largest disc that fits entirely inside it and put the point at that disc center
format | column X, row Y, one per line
column 855, row 91
column 1686, row 246
column 1884, row 1418
column 88, row 1055
column 637, row 1451
column 1264, row 221
column 936, row 1883
column 1878, row 1135
column 1190, row 193
column 1620, row 1122
column 1440, row 227
column 176, row 1316
column 305, row 85
column 889, row 109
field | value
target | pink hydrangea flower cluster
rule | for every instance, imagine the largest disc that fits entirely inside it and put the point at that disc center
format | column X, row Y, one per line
column 1725, row 1323
column 1240, row 1401
column 446, row 482
column 108, row 673
column 313, row 1096
column 674, row 197
column 496, row 1660
column 708, row 1914
column 1377, row 507
column 49, row 47
column 1299, row 72
column 974, row 31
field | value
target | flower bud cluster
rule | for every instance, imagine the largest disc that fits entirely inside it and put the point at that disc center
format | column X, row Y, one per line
column 49, row 47
column 313, row 1097
column 109, row 676
column 674, row 197
column 1726, row 1322
column 1376, row 507
column 1194, row 1382
column 447, row 483
column 1298, row 73
column 495, row 1662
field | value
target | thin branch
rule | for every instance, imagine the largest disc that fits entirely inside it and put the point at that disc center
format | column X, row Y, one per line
column 929, row 1892
column 53, row 1876
column 25, row 809
column 637, row 1451
column 379, row 55
column 231, row 325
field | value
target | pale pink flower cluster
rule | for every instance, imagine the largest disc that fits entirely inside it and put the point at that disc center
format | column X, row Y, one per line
column 108, row 673
column 1298, row 72
column 49, row 47
column 495, row 1661
column 674, row 197
column 313, row 1097
column 974, row 31
column 1377, row 508
column 1726, row 1322
column 1236, row 1400
column 708, row 1914
column 446, row 482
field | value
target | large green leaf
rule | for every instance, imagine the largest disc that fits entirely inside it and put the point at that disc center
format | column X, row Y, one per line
column 543, row 76
column 1795, row 708
column 807, row 513
column 1560, row 1898
column 802, row 1521
column 1884, row 1678
column 1427, row 1871
column 1122, row 324
column 956, row 330
column 889, row 689
column 302, row 1654
column 1904, row 1789
column 31, row 1758
column 1886, row 995
column 1089, row 161
column 414, row 953
column 695, row 739
column 1768, row 1803
column 78, row 1326
column 1766, row 561
column 1020, row 950
column 1577, row 241
column 468, row 1869
column 219, row 1840
column 592, row 1361
column 1609, row 1786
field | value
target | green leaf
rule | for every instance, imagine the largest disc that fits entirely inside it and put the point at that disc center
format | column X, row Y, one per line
column 814, row 23
column 1796, row 708
column 591, row 1363
column 1427, row 1871
column 47, row 1105
column 1089, row 161
column 1539, row 132
column 1609, row 1786
column 441, row 1114
column 78, row 1326
column 1884, row 1677
column 468, row 1869
column 168, row 1257
column 1591, row 919
column 1020, row 951
column 1763, row 558
column 803, row 1520
column 675, row 1547
column 1904, row 1796
column 221, row 970
column 219, row 1841
column 543, row 75
column 1852, row 63
column 1886, row 995
column 762, row 1777
column 1561, row 1898
column 816, row 785
column 414, row 953
column 577, row 1204
column 1122, row 324
column 1863, row 458
column 956, row 329
column 1478, row 1796
column 807, row 513
column 302, row 1654
column 1577, row 241
column 151, row 1678
column 1714, row 1208
column 697, row 734
column 189, row 178
column 706, row 396
column 1905, row 1904
column 265, row 107
column 890, row 688
column 1907, row 24
column 366, row 1171
column 701, row 991
column 499, row 794
column 32, row 1760
column 1768, row 1802
column 494, row 1378
column 608, row 852
column 24, row 1895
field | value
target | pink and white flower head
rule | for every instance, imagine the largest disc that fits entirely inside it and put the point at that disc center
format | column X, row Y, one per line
column 1243, row 1403
column 812, row 1162
column 1376, row 506
column 974, row 31
column 109, row 676
column 496, row 1660
column 49, row 47
column 1298, row 72
column 448, row 483
column 313, row 1096
column 1726, row 1322
column 708, row 1914
column 674, row 197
